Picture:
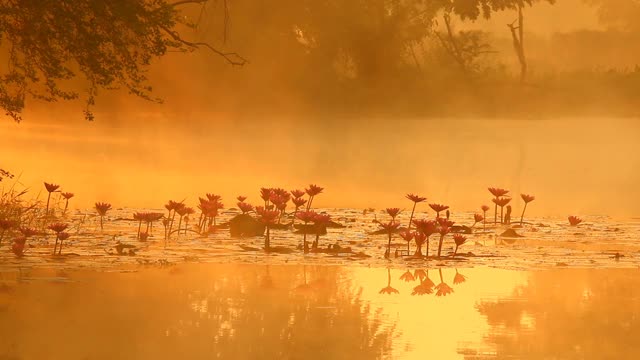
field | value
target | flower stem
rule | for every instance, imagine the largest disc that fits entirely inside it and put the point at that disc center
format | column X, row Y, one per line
column 523, row 210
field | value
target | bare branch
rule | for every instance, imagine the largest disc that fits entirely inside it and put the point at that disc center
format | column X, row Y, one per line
column 231, row 57
column 183, row 2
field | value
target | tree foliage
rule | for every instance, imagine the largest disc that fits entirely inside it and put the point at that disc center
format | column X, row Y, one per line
column 68, row 49
column 54, row 48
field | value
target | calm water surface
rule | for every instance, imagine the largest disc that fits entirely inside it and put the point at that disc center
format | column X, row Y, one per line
column 262, row 311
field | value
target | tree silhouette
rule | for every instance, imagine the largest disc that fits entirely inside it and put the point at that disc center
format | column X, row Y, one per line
column 54, row 48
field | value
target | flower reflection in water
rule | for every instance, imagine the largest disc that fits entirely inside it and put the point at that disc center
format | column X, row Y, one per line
column 388, row 289
column 407, row 276
column 459, row 278
column 425, row 287
column 443, row 289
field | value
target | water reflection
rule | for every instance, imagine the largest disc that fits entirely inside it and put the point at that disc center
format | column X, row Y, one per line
column 296, row 312
column 571, row 314
column 230, row 312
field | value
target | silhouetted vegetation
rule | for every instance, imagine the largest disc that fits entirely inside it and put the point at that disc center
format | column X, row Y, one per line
column 412, row 57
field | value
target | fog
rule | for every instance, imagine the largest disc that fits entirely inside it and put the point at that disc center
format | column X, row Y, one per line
column 572, row 165
column 281, row 121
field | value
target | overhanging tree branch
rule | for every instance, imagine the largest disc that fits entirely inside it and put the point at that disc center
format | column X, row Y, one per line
column 231, row 57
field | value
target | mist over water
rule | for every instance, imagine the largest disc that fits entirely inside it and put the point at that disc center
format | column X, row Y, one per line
column 571, row 165
column 293, row 117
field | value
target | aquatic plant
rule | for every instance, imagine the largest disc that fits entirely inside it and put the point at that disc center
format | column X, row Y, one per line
column 297, row 193
column 476, row 219
column 485, row 208
column 312, row 191
column 57, row 228
column 306, row 216
column 171, row 206
column 245, row 207
column 320, row 222
column 420, row 238
column 527, row 199
column 459, row 239
column 502, row 202
column 426, row 228
column 407, row 236
column 62, row 236
column 279, row 198
column 6, row 225
column 388, row 289
column 393, row 212
column 416, row 199
column 268, row 218
column 139, row 217
column 390, row 227
column 497, row 192
column 265, row 195
column 438, row 208
column 50, row 188
column 211, row 209
column 102, row 208
column 574, row 220
column 443, row 289
column 444, row 228
column 66, row 196
column 298, row 202
column 151, row 218
column 182, row 212
column 187, row 216
column 18, row 246
column 28, row 232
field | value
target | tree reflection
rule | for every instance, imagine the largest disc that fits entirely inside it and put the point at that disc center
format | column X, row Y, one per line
column 222, row 311
column 570, row 314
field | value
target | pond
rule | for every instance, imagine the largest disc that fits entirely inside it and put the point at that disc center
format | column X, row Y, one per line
column 268, row 311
